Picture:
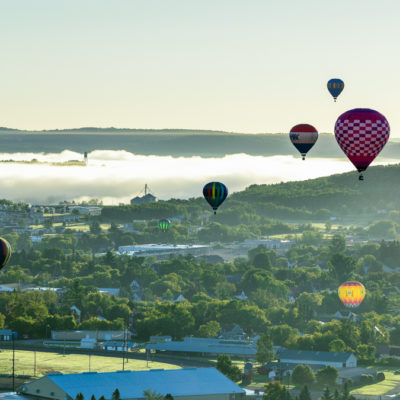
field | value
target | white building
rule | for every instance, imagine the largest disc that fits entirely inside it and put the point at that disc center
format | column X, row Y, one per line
column 337, row 360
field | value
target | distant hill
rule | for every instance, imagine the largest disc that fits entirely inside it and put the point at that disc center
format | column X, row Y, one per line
column 173, row 142
column 341, row 192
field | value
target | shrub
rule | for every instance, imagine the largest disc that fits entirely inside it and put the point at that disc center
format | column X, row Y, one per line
column 366, row 379
column 380, row 377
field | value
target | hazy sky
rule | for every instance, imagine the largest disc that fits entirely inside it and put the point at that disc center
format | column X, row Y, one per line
column 236, row 65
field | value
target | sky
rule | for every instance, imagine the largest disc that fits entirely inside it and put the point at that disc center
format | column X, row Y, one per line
column 235, row 65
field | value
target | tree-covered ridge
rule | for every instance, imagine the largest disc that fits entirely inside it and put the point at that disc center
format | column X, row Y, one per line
column 314, row 199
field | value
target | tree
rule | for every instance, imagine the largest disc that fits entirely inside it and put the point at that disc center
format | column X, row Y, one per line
column 366, row 352
column 224, row 365
column 280, row 334
column 337, row 346
column 394, row 336
column 308, row 304
column 342, row 266
column 116, row 395
column 152, row 395
column 302, row 374
column 265, row 350
column 95, row 228
column 168, row 396
column 276, row 391
column 209, row 329
column 79, row 396
column 326, row 395
column 93, row 397
column 262, row 260
column 327, row 375
column 48, row 223
column 305, row 394
column 337, row 244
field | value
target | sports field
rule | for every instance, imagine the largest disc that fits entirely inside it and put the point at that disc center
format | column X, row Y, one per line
column 70, row 363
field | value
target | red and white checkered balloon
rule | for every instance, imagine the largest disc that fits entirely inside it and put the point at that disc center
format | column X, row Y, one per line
column 362, row 133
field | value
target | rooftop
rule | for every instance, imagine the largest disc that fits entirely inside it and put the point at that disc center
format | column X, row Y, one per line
column 304, row 355
column 132, row 384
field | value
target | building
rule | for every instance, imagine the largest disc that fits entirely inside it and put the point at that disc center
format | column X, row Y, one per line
column 88, row 343
column 117, row 346
column 235, row 333
column 346, row 315
column 5, row 335
column 322, row 358
column 147, row 198
column 162, row 250
column 110, row 291
column 241, row 348
column 182, row 384
column 86, row 210
column 98, row 335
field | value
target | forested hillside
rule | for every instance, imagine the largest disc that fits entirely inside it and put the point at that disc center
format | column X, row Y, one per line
column 339, row 195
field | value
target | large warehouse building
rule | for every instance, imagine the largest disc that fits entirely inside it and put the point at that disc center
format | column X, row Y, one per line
column 182, row 384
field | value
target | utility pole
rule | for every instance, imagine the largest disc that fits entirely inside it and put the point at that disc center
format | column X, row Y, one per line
column 34, row 363
column 123, row 350
column 13, row 361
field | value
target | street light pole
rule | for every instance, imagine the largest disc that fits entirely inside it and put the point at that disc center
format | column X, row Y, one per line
column 13, row 361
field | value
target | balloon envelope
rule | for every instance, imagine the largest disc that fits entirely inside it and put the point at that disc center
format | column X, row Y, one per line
column 164, row 224
column 351, row 294
column 335, row 87
column 215, row 193
column 362, row 133
column 5, row 252
column 303, row 137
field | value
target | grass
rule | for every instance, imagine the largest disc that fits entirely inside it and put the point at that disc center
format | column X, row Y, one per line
column 70, row 363
column 380, row 388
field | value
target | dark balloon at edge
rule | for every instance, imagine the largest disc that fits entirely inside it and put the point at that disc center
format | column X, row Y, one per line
column 5, row 252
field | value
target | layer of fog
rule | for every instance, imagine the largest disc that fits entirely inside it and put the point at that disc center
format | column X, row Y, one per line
column 116, row 176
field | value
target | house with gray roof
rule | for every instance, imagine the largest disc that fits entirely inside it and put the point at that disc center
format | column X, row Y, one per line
column 325, row 358
column 182, row 384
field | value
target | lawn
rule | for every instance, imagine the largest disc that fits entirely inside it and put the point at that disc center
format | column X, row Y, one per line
column 70, row 363
column 377, row 389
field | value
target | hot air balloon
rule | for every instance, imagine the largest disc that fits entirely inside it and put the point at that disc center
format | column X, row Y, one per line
column 335, row 87
column 303, row 137
column 5, row 252
column 351, row 294
column 215, row 193
column 164, row 224
column 362, row 133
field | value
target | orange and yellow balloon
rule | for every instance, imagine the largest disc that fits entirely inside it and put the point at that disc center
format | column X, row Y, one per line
column 351, row 294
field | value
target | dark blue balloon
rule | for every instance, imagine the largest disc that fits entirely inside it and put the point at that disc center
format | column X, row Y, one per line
column 335, row 87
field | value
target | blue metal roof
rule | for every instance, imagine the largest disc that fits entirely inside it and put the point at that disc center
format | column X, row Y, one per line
column 132, row 384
